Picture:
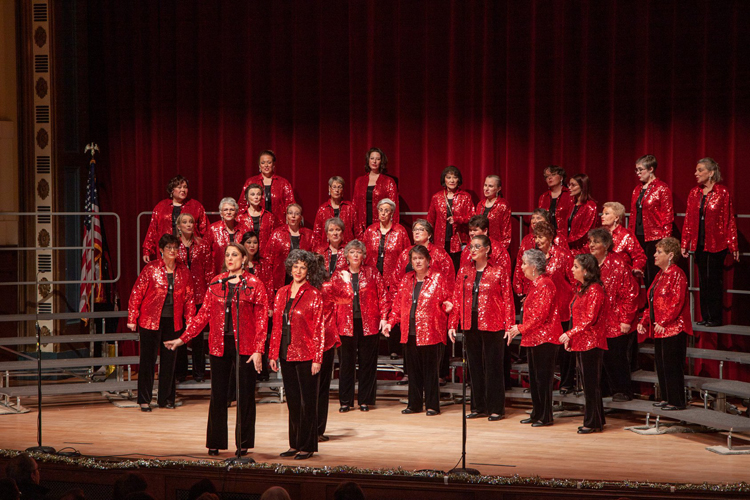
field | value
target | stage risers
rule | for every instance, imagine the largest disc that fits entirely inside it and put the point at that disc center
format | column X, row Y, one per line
column 382, row 439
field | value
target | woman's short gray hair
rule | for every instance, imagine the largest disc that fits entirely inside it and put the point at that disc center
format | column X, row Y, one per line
column 389, row 202
column 336, row 222
column 228, row 201
column 358, row 245
column 536, row 259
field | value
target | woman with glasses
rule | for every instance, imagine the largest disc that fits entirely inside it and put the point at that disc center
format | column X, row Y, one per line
column 557, row 199
column 450, row 210
column 339, row 208
column 291, row 236
column 223, row 232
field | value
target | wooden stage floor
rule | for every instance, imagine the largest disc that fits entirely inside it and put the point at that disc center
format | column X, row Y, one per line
column 384, row 438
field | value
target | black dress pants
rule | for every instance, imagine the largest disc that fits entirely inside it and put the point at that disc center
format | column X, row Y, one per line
column 301, row 389
column 423, row 363
column 541, row 380
column 198, row 352
column 590, row 363
column 362, row 350
column 152, row 345
column 711, row 281
column 669, row 357
column 222, row 370
column 649, row 248
column 324, row 389
column 567, row 361
column 617, row 364
column 485, row 354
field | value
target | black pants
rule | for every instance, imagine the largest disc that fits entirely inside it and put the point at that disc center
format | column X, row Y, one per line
column 152, row 345
column 394, row 340
column 362, row 350
column 301, row 388
column 485, row 354
column 669, row 357
column 541, row 380
column 222, row 370
column 567, row 360
column 711, row 281
column 590, row 364
column 423, row 363
column 649, row 248
column 324, row 389
column 617, row 364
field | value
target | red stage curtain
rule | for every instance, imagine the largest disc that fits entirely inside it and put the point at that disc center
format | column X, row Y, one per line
column 505, row 87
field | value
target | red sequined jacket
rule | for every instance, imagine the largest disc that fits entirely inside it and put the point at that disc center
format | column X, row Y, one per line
column 279, row 246
column 590, row 313
column 396, row 241
column 262, row 270
column 499, row 255
column 161, row 223
column 150, row 291
column 281, row 195
column 218, row 237
column 671, row 304
column 720, row 225
column 499, row 217
column 354, row 227
column 197, row 258
column 462, row 210
column 622, row 291
column 268, row 222
column 541, row 320
column 657, row 210
column 431, row 320
column 325, row 251
column 625, row 243
column 583, row 221
column 252, row 323
column 385, row 187
column 562, row 209
column 373, row 302
column 520, row 283
column 440, row 263
column 306, row 320
column 495, row 302
column 334, row 295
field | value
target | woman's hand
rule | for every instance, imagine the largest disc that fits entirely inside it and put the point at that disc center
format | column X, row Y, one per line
column 315, row 368
column 173, row 344
column 273, row 364
column 346, row 276
column 146, row 259
column 447, row 306
column 383, row 324
column 257, row 360
column 624, row 328
column 452, row 335
column 641, row 329
column 659, row 329
column 736, row 255
column 450, row 220
column 564, row 338
column 270, row 313
column 638, row 273
column 511, row 332
column 131, row 326
column 684, row 252
column 387, row 330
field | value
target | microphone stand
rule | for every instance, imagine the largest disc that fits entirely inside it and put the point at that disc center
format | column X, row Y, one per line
column 238, row 458
column 464, row 364
column 39, row 448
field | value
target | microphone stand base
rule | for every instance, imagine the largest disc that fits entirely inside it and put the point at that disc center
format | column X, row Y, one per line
column 239, row 461
column 42, row 449
column 464, row 470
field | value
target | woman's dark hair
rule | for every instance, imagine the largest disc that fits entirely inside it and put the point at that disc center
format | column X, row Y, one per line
column 647, row 161
column 266, row 152
column 479, row 221
column 174, row 182
column 591, row 271
column 583, row 181
column 20, row 468
column 485, row 242
column 348, row 490
column 602, row 235
column 450, row 169
column 425, row 224
column 245, row 238
column 316, row 266
column 670, row 245
column 130, row 482
column 168, row 239
column 9, row 490
column 201, row 487
column 254, row 185
column 420, row 250
column 544, row 229
column 556, row 170
column 239, row 248
column 543, row 212
column 383, row 160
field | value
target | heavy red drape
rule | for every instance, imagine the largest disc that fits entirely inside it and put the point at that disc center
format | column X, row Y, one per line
column 505, row 87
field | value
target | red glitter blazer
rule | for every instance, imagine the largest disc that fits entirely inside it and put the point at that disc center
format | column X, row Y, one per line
column 657, row 210
column 217, row 238
column 354, row 227
column 262, row 271
column 252, row 323
column 671, row 304
column 279, row 246
column 437, row 215
column 541, row 321
column 373, row 302
column 396, row 241
column 281, row 195
column 197, row 258
column 590, row 319
column 385, row 187
column 268, row 222
column 325, row 251
column 625, row 243
column 161, row 223
column 499, row 255
column 441, row 263
column 150, row 290
column 431, row 320
column 583, row 221
column 495, row 301
column 562, row 211
column 306, row 319
column 520, row 283
column 720, row 224
column 499, row 217
column 622, row 292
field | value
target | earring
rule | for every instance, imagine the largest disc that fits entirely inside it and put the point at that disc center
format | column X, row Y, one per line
column 670, row 261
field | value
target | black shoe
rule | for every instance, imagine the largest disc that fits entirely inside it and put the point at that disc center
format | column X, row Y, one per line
column 565, row 390
column 198, row 380
column 168, row 406
column 432, row 413
column 495, row 418
column 713, row 324
column 528, row 421
column 408, row 411
column 394, row 355
column 364, row 408
column 702, row 323
column 476, row 414
column 213, row 451
column 344, row 409
column 146, row 408
column 541, row 424
column 661, row 404
column 672, row 408
column 303, row 455
column 288, row 453
column 323, row 439
column 403, row 381
column 621, row 398
column 588, row 430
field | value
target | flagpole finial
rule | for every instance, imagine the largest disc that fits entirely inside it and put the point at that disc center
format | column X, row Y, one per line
column 93, row 148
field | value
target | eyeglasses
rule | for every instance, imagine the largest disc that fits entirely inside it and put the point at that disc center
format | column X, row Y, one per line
column 476, row 247
column 294, row 214
column 640, row 170
column 419, row 230
column 171, row 248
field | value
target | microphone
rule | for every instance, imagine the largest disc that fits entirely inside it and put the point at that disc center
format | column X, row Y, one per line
column 223, row 280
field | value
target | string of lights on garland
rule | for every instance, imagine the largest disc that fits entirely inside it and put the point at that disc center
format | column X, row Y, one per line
column 515, row 480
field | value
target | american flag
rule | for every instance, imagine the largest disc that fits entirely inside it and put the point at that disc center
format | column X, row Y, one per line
column 91, row 268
